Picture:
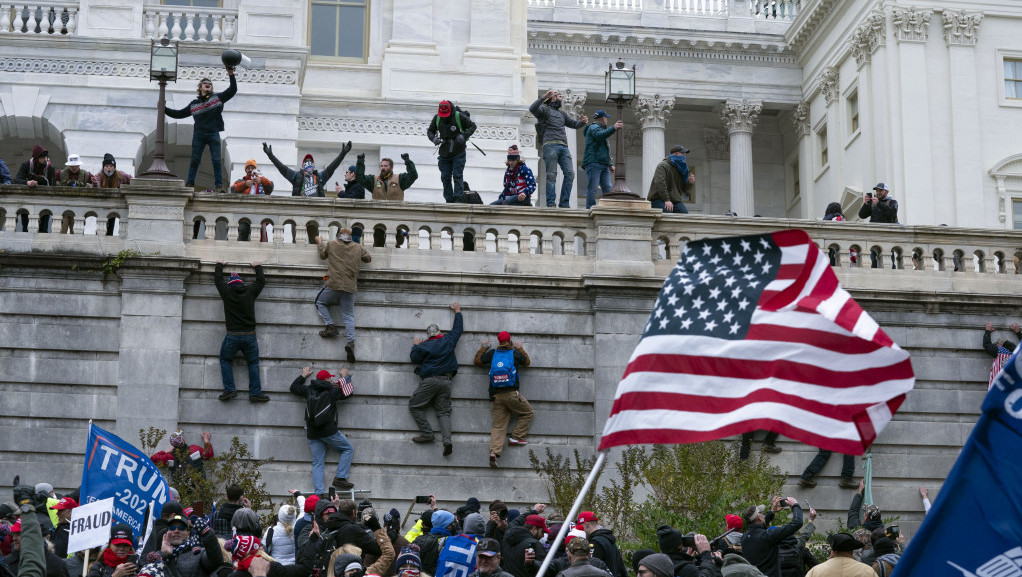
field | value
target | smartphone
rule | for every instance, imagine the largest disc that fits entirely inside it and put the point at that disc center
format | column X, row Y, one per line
column 332, row 493
column 808, row 506
column 198, row 508
column 422, row 499
column 132, row 558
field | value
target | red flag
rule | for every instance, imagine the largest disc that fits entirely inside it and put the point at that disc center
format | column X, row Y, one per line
column 755, row 332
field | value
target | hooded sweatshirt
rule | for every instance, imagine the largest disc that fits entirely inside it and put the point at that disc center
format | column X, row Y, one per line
column 239, row 300
column 37, row 169
column 448, row 131
column 298, row 387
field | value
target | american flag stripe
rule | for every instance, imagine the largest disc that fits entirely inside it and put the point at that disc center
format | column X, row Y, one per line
column 806, row 361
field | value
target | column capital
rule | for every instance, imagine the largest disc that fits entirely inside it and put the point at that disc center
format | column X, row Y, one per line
column 800, row 119
column 573, row 102
column 829, row 84
column 961, row 28
column 653, row 111
column 740, row 115
column 911, row 24
column 869, row 36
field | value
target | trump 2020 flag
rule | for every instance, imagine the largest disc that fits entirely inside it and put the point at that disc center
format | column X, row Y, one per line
column 974, row 528
column 115, row 468
column 754, row 332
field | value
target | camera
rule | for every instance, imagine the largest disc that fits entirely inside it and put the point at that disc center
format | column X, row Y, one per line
column 502, row 514
column 869, row 195
column 689, row 540
column 893, row 531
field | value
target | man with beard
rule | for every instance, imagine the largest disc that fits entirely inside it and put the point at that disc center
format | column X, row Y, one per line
column 239, row 314
column 207, row 110
column 307, row 181
column 522, row 550
column 36, row 171
column 553, row 140
column 189, row 552
column 488, row 560
column 388, row 185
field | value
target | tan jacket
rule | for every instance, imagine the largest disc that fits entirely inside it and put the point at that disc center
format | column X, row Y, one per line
column 841, row 567
column 343, row 261
column 389, row 189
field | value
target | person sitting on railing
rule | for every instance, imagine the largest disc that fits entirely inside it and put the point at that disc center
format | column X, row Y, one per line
column 207, row 110
column 253, row 182
column 519, row 182
column 307, row 181
column 36, row 171
column 387, row 185
column 670, row 182
column 352, row 187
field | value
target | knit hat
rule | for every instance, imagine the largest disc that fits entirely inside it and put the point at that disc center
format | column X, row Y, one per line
column 152, row 569
column 235, row 278
column 346, row 562
column 512, row 513
column 38, row 153
column 410, row 555
column 574, row 533
column 668, row 538
column 427, row 519
column 43, row 488
column 441, row 519
column 16, row 527
column 432, row 330
column 109, row 159
column 177, row 438
column 287, row 514
column 504, row 337
column 445, row 109
column 474, row 524
column 638, row 556
column 7, row 510
column 733, row 522
column 883, row 546
column 659, row 563
column 121, row 533
column 171, row 508
column 513, row 153
column 243, row 546
column 310, row 503
column 351, row 168
column 473, row 504
column 872, row 513
column 324, row 376
column 251, row 162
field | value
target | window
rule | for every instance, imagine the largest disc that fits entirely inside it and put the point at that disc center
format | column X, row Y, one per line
column 1013, row 78
column 337, row 28
column 821, row 136
column 1016, row 212
column 796, row 183
column 853, row 112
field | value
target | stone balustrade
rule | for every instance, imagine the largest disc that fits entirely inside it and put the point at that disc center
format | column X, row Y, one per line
column 53, row 18
column 764, row 9
column 189, row 24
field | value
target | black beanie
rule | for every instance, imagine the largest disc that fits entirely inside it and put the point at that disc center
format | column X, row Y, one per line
column 427, row 519
column 669, row 538
column 883, row 546
column 109, row 159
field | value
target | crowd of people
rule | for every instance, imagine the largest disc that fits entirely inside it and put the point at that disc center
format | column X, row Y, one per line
column 325, row 535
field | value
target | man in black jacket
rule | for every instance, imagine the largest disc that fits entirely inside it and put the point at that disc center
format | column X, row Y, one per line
column 522, row 552
column 207, row 110
column 307, row 181
column 36, row 171
column 62, row 531
column 688, row 561
column 224, row 515
column 239, row 314
column 759, row 546
column 450, row 129
column 604, row 543
column 870, row 519
column 323, row 432
column 880, row 207
column 341, row 530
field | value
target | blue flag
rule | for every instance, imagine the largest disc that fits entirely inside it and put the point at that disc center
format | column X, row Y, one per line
column 458, row 557
column 975, row 526
column 114, row 468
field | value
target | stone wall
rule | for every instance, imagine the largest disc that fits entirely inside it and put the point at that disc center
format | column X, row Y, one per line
column 138, row 346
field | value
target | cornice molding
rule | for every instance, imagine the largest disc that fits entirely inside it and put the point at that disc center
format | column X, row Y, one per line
column 562, row 42
column 136, row 70
column 961, row 28
column 807, row 23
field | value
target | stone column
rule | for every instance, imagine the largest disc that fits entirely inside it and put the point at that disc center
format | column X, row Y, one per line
column 572, row 104
column 830, row 88
column 960, row 32
column 913, row 171
column 865, row 41
column 652, row 113
column 740, row 118
column 800, row 120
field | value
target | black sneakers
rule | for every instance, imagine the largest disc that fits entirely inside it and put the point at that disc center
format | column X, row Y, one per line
column 258, row 398
column 350, row 350
column 343, row 484
column 448, row 449
column 226, row 396
column 329, row 331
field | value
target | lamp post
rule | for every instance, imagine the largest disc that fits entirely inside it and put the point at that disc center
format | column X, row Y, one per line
column 620, row 89
column 162, row 67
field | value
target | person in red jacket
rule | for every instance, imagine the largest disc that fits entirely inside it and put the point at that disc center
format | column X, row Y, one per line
column 253, row 182
column 183, row 458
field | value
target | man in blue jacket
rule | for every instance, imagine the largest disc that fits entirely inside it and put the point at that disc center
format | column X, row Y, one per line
column 437, row 366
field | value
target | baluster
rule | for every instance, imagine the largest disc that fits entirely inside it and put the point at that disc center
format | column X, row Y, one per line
column 203, row 31
column 989, row 263
column 391, row 238
column 216, row 33
column 150, row 25
column 5, row 18
column 175, row 32
column 162, row 19
column 32, row 22
column 11, row 222
column 33, row 223
column 230, row 28
column 524, row 243
column 72, row 21
column 232, row 231
column 189, row 26
column 568, row 246
column 278, row 234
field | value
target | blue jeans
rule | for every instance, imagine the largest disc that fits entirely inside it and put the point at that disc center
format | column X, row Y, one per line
column 200, row 141
column 248, row 345
column 327, row 297
column 678, row 207
column 318, row 449
column 513, row 201
column 554, row 155
column 452, row 167
column 598, row 174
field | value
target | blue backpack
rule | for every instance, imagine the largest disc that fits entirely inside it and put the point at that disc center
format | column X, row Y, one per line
column 502, row 369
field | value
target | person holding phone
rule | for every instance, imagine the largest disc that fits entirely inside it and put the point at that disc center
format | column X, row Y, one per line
column 118, row 558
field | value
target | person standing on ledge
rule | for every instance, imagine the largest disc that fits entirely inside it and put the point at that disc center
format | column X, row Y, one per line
column 450, row 130
column 239, row 314
column 436, row 365
column 553, row 140
column 207, row 110
column 596, row 158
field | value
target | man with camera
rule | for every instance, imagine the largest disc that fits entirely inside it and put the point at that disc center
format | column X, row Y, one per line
column 880, row 207
column 522, row 550
column 690, row 553
column 760, row 546
column 553, row 140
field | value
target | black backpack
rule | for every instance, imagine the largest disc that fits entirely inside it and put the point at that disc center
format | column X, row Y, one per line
column 789, row 559
column 320, row 410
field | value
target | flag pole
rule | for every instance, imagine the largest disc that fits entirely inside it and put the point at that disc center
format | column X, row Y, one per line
column 597, row 466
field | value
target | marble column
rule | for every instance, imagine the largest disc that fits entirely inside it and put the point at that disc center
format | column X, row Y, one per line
column 740, row 118
column 912, row 29
column 652, row 113
column 866, row 39
column 961, row 30
column 800, row 120
column 830, row 88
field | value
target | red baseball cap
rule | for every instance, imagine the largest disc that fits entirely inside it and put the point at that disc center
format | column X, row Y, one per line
column 503, row 336
column 733, row 522
column 324, row 375
column 310, row 503
column 587, row 516
column 537, row 521
column 16, row 527
column 65, row 503
column 445, row 108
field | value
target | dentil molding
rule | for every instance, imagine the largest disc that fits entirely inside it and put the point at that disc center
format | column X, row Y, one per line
column 961, row 28
column 136, row 70
column 911, row 24
column 740, row 115
column 653, row 112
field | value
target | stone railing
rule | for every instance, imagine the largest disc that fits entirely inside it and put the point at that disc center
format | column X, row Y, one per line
column 50, row 18
column 472, row 238
column 189, row 24
column 764, row 9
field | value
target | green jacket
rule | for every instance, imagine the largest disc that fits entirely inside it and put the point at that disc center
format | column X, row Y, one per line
column 368, row 181
column 667, row 183
column 597, row 151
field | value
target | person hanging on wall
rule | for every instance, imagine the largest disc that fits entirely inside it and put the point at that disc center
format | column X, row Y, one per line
column 207, row 110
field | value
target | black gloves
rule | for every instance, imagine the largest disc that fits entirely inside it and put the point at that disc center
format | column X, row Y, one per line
column 267, row 148
column 371, row 520
column 436, row 140
column 346, row 148
column 404, row 156
column 460, row 139
column 362, row 157
column 26, row 495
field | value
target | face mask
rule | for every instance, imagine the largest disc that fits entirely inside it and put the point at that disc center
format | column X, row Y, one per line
column 555, row 104
column 108, row 173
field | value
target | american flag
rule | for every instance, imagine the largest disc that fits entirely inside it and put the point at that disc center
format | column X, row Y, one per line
column 755, row 332
column 1002, row 357
column 346, row 387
